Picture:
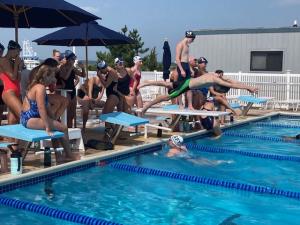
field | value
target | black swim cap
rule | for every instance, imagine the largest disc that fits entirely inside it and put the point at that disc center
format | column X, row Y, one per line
column 13, row 45
column 221, row 89
column 190, row 34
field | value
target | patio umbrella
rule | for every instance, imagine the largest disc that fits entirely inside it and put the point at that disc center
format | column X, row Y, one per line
column 166, row 60
column 41, row 14
column 87, row 34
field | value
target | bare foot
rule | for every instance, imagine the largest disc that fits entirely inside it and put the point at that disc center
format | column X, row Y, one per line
column 191, row 107
column 181, row 106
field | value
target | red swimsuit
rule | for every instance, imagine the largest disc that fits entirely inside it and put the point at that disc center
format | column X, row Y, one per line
column 10, row 84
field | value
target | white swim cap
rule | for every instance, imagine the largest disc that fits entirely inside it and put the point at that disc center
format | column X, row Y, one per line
column 137, row 59
column 101, row 65
column 177, row 140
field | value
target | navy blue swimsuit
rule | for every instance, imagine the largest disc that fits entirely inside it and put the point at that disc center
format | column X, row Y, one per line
column 33, row 111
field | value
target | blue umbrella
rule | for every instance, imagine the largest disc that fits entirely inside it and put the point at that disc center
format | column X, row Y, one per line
column 87, row 34
column 41, row 14
column 166, row 60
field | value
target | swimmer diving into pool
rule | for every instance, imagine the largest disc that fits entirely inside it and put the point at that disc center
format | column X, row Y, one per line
column 178, row 149
column 179, row 87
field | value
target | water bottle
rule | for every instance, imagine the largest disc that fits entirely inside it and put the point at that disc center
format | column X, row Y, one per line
column 47, row 157
column 159, row 131
column 16, row 163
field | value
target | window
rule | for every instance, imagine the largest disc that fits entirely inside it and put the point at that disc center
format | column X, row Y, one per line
column 266, row 61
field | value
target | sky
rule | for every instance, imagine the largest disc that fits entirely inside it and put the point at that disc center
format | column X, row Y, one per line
column 159, row 19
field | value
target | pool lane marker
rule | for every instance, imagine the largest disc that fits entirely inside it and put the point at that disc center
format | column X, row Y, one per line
column 258, row 137
column 55, row 213
column 276, row 125
column 203, row 148
column 207, row 181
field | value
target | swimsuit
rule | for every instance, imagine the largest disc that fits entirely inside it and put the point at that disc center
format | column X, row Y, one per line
column 10, row 84
column 207, row 122
column 33, row 111
column 69, row 84
column 110, row 90
column 137, row 76
column 179, row 87
column 95, row 92
column 186, row 68
column 123, row 84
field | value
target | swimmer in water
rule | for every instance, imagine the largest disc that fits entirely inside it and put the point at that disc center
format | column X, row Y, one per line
column 178, row 149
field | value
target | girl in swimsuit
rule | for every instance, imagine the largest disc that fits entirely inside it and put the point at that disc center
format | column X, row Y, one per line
column 68, row 74
column 10, row 67
column 58, row 103
column 135, row 96
column 126, row 77
column 89, row 95
column 36, row 113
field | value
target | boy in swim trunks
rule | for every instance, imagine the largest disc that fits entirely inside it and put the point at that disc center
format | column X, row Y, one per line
column 182, row 61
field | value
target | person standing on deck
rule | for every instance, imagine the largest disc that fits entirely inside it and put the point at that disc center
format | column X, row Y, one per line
column 182, row 61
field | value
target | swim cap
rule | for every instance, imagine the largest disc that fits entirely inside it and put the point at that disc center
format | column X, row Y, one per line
column 13, row 45
column 70, row 55
column 298, row 136
column 137, row 59
column 190, row 34
column 221, row 89
column 202, row 60
column 101, row 65
column 177, row 140
column 118, row 60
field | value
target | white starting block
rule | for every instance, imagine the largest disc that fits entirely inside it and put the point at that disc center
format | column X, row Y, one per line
column 74, row 134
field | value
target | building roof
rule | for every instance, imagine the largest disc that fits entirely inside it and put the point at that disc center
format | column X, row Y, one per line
column 257, row 30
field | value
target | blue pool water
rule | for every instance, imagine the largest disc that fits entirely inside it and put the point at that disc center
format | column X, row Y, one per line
column 132, row 198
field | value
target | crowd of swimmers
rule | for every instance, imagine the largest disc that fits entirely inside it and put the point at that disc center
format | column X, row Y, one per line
column 32, row 97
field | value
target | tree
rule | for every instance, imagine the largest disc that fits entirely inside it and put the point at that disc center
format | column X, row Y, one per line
column 126, row 52
column 150, row 62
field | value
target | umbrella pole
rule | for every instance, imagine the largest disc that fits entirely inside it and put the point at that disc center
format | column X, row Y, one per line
column 86, row 61
column 16, row 18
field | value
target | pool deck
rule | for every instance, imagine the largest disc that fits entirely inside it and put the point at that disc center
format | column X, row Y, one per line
column 33, row 165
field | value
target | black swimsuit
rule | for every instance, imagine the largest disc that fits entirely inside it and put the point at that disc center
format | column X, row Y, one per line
column 123, row 85
column 69, row 84
column 110, row 89
column 207, row 122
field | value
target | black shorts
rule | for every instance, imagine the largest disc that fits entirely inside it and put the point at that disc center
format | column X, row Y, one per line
column 186, row 68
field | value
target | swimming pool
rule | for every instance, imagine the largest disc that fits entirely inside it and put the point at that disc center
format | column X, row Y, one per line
column 153, row 189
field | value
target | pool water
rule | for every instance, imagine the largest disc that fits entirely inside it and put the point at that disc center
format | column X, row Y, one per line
column 132, row 198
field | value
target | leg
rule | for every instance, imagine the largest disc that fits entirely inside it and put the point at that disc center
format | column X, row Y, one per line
column 139, row 100
column 189, row 95
column 156, row 83
column 223, row 101
column 14, row 105
column 110, row 104
column 58, row 104
column 85, row 109
column 155, row 101
column 38, row 124
column 71, row 111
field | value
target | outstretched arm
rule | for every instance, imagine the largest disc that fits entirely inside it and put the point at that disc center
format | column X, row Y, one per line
column 237, row 85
